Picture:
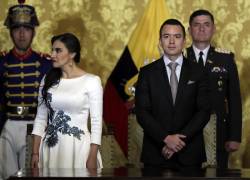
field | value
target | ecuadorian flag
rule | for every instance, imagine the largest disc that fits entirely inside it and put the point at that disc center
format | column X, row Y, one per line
column 142, row 48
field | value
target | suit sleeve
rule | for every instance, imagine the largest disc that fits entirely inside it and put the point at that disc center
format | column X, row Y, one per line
column 234, row 103
column 202, row 114
column 143, row 106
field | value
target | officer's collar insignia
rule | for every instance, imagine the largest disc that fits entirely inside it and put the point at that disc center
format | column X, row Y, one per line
column 209, row 61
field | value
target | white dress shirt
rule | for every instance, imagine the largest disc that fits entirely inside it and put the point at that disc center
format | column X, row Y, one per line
column 197, row 53
column 179, row 61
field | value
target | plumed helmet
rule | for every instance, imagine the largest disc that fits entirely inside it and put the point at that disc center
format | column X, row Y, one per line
column 21, row 15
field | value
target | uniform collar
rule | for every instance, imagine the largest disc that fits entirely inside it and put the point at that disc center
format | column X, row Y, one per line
column 197, row 51
column 22, row 56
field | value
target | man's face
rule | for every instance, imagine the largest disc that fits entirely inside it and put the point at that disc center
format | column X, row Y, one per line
column 172, row 41
column 22, row 37
column 202, row 29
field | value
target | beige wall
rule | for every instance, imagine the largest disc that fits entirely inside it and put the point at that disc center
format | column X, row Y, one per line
column 104, row 27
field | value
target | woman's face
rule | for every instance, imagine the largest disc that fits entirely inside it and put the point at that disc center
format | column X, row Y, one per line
column 60, row 55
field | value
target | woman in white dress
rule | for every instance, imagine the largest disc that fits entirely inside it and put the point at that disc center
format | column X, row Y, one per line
column 68, row 96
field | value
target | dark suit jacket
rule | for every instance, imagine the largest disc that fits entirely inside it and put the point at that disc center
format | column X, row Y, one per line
column 159, row 117
column 225, row 94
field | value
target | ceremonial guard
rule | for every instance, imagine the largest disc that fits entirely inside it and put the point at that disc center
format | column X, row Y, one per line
column 21, row 70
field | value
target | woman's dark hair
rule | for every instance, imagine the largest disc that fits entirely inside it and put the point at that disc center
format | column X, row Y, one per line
column 52, row 78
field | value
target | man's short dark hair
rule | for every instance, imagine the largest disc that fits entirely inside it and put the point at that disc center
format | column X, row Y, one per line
column 200, row 12
column 173, row 22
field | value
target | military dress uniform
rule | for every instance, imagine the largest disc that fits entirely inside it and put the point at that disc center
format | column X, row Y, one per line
column 20, row 76
column 225, row 98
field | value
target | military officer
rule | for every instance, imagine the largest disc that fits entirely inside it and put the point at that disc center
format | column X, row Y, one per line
column 224, row 84
column 21, row 70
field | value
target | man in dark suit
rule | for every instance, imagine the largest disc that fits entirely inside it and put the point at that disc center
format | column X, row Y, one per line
column 172, row 115
column 223, row 82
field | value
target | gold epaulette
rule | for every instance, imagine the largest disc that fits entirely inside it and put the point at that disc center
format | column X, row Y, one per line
column 221, row 50
column 3, row 53
column 44, row 55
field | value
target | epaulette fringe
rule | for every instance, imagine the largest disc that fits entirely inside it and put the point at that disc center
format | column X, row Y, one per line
column 44, row 55
column 221, row 50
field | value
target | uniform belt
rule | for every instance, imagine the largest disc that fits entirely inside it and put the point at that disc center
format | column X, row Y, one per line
column 21, row 110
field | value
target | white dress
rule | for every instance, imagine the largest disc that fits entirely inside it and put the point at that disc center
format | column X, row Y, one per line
column 63, row 125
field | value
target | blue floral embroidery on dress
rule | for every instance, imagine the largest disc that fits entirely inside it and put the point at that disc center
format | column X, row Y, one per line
column 59, row 123
column 51, row 111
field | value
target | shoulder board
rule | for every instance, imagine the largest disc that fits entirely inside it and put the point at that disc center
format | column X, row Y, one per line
column 3, row 53
column 221, row 50
column 44, row 55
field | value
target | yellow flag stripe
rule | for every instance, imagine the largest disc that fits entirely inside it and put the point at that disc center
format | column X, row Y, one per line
column 144, row 42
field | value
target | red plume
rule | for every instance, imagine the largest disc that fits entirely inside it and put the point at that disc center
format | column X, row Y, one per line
column 21, row 1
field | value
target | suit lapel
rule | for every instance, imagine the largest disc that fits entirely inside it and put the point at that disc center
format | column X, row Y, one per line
column 210, row 59
column 163, row 77
column 191, row 55
column 182, row 81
